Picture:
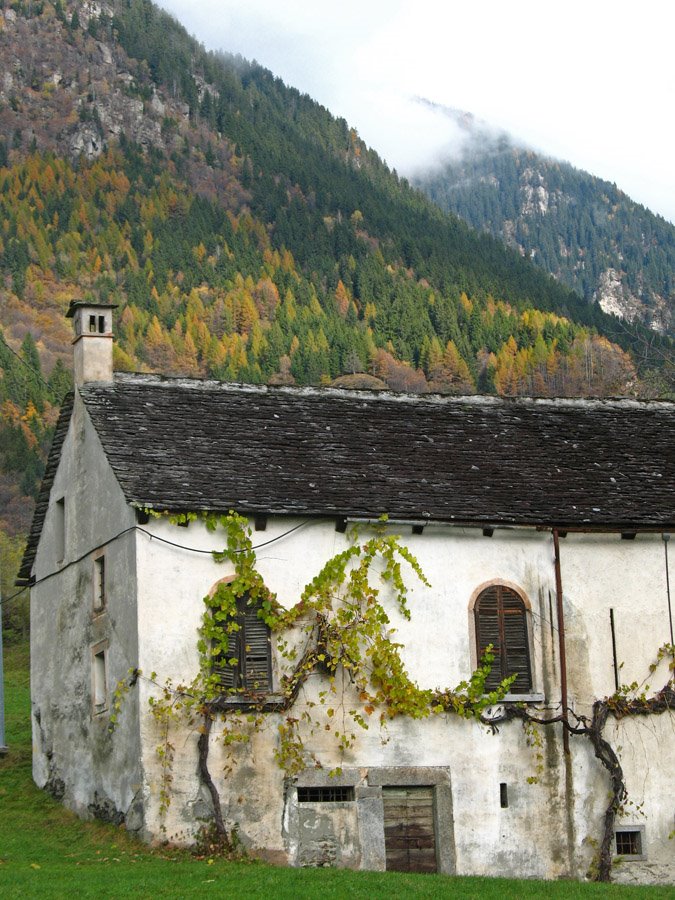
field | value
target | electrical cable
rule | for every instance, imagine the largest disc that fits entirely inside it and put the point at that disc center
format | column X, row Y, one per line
column 153, row 537
column 9, row 599
column 273, row 540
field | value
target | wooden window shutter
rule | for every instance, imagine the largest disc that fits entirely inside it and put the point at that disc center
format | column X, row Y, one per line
column 501, row 620
column 257, row 669
column 228, row 674
column 249, row 649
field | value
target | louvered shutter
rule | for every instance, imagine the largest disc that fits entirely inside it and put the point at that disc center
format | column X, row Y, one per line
column 257, row 675
column 488, row 631
column 250, row 650
column 228, row 674
column 501, row 620
column 516, row 641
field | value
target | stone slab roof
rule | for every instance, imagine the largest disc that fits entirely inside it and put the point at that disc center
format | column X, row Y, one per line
column 187, row 445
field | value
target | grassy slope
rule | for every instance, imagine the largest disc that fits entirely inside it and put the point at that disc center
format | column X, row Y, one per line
column 45, row 851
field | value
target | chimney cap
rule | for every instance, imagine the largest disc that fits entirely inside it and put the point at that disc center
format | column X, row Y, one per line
column 82, row 304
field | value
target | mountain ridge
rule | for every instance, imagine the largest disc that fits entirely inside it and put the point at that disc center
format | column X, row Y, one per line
column 582, row 229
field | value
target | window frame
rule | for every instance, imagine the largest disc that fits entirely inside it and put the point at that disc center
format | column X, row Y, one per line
column 631, row 857
column 99, row 673
column 516, row 695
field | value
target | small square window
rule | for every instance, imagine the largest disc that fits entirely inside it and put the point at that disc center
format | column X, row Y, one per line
column 99, row 584
column 630, row 841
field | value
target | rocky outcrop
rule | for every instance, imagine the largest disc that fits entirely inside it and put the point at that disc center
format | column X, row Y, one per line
column 64, row 90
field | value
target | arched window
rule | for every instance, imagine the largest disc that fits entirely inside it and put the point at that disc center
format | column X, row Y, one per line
column 247, row 665
column 501, row 620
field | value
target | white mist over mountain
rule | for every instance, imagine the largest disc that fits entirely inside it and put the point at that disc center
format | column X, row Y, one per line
column 592, row 84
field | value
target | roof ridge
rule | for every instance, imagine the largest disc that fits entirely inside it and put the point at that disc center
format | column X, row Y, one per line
column 361, row 394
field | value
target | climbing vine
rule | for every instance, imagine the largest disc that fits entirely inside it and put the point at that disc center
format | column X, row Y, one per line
column 341, row 631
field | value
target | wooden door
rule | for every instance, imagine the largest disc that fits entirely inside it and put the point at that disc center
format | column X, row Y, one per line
column 409, row 836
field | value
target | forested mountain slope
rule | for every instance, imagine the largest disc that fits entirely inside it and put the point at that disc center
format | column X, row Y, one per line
column 583, row 230
column 244, row 233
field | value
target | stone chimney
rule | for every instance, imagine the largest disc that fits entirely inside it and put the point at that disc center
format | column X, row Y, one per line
column 93, row 341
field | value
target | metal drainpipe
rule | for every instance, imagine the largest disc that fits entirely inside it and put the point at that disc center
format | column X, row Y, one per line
column 561, row 639
column 666, row 538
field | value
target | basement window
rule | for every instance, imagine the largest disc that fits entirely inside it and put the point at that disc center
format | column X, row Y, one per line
column 630, row 842
column 325, row 794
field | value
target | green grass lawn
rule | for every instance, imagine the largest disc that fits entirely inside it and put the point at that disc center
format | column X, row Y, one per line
column 45, row 851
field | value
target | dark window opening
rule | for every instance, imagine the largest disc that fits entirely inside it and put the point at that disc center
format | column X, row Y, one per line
column 60, row 529
column 327, row 794
column 99, row 583
column 501, row 620
column 629, row 843
column 92, row 324
column 246, row 665
column 503, row 795
column 101, row 324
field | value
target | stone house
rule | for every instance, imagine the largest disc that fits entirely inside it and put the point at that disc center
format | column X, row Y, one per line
column 541, row 526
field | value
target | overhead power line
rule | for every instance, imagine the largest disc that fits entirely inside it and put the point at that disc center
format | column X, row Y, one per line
column 153, row 537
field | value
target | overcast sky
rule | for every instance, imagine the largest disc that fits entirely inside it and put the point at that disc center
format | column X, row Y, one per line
column 590, row 82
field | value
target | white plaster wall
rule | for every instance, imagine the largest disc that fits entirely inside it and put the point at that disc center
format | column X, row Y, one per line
column 545, row 830
column 603, row 572
column 73, row 751
column 599, row 573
